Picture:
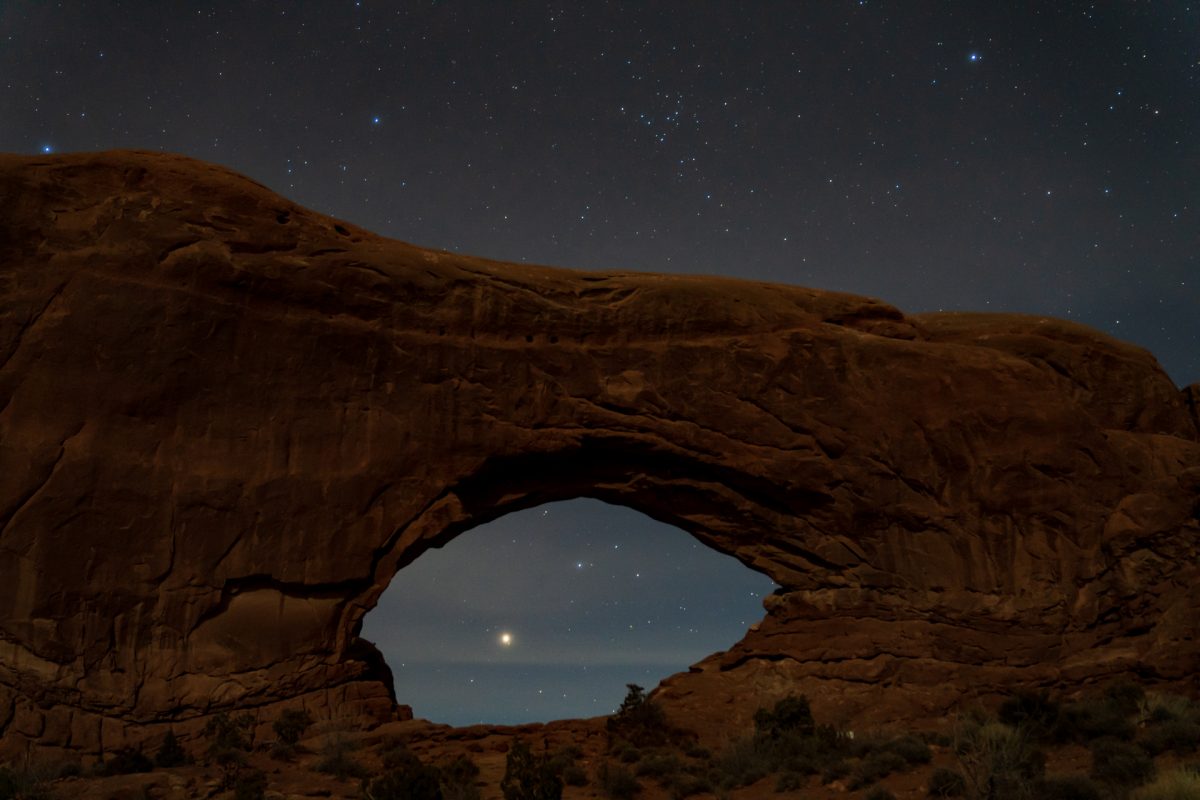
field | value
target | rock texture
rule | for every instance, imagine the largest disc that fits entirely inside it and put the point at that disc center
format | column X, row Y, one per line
column 226, row 422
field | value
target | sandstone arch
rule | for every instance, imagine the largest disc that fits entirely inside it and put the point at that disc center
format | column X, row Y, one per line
column 226, row 421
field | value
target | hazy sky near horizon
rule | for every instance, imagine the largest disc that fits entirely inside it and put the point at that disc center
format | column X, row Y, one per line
column 1040, row 158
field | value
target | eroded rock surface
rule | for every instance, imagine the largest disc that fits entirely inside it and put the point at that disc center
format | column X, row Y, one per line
column 227, row 421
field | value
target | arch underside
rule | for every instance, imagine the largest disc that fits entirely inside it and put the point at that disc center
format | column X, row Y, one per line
column 224, row 433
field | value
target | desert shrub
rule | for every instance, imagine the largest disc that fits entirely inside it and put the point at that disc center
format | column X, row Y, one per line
column 574, row 775
column 126, row 761
column 1125, row 696
column 996, row 761
column 639, row 721
column 458, row 779
column 1177, row 784
column 912, row 749
column 790, row 781
column 879, row 793
column 616, row 782
column 790, row 715
column 291, row 725
column 1034, row 711
column 687, row 785
column 170, row 752
column 529, row 777
column 1120, row 764
column 26, row 782
column 336, row 759
column 228, row 740
column 835, row 770
column 946, row 783
column 228, row 733
column 405, row 778
column 877, row 765
column 1068, row 787
column 251, row 784
column 1086, row 720
column 658, row 765
column 743, row 763
column 1179, row 734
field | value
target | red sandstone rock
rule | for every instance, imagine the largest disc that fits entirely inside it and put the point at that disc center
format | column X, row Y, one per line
column 227, row 421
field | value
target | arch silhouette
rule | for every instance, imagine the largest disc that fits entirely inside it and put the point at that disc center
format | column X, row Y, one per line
column 227, row 421
column 592, row 596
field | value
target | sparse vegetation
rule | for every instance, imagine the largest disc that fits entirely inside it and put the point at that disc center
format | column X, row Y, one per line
column 405, row 778
column 1120, row 765
column 529, row 777
column 947, row 783
column 997, row 761
column 616, row 782
column 251, row 784
column 290, row 726
column 639, row 721
column 337, row 761
column 25, row 782
column 228, row 744
column 1180, row 784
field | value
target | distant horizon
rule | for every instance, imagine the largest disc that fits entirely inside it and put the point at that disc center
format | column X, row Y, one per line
column 593, row 596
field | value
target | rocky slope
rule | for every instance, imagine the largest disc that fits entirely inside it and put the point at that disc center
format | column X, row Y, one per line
column 226, row 422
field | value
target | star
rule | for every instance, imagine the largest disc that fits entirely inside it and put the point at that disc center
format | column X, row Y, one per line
column 47, row 148
column 506, row 639
column 973, row 57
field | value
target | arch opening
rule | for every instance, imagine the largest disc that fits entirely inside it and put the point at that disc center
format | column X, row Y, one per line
column 548, row 612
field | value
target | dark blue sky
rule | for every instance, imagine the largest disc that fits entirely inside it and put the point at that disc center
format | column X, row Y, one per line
column 1034, row 157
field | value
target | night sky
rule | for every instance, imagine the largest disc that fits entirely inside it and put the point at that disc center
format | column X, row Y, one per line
column 937, row 155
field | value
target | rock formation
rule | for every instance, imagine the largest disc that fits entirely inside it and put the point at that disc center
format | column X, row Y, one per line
column 227, row 421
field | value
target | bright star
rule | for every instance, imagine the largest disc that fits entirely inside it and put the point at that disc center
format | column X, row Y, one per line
column 506, row 639
column 974, row 57
column 375, row 120
column 46, row 148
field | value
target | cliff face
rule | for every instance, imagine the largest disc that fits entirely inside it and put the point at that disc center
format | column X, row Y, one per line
column 226, row 422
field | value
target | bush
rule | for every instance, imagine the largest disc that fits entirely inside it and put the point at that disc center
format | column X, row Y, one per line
column 24, row 783
column 126, row 761
column 337, row 761
column 639, row 721
column 997, row 761
column 250, row 785
column 1086, row 720
column 291, row 725
column 170, row 753
column 1120, row 764
column 658, row 765
column 743, row 763
column 790, row 782
column 228, row 741
column 792, row 714
column 879, row 793
column 458, row 779
column 1068, row 787
column 946, row 783
column 912, row 749
column 616, row 782
column 529, row 777
column 874, row 767
column 1180, row 735
column 1174, row 785
column 1034, row 711
column 574, row 775
column 405, row 779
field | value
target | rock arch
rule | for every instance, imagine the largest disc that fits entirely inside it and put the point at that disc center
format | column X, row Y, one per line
column 226, row 421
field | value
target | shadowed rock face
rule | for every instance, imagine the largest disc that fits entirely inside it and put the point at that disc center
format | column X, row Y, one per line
column 226, row 422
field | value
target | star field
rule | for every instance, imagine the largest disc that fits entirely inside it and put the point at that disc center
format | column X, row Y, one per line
column 1040, row 158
